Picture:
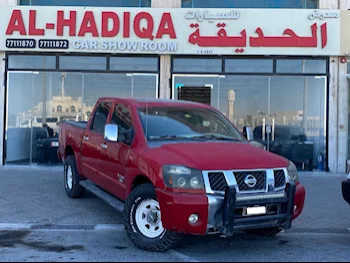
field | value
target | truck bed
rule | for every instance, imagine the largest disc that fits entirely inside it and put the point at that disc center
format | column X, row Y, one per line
column 80, row 124
column 71, row 134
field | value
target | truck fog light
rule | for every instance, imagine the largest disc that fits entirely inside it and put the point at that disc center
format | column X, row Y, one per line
column 193, row 219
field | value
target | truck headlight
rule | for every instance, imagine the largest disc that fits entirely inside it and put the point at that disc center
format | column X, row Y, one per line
column 293, row 173
column 183, row 179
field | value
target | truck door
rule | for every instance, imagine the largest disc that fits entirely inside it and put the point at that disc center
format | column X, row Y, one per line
column 115, row 154
column 91, row 149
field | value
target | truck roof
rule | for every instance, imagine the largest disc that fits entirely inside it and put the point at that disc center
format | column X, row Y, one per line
column 152, row 102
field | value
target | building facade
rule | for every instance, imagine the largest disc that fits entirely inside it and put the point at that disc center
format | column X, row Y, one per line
column 276, row 66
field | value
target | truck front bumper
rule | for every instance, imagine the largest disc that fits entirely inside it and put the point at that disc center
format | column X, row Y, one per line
column 225, row 214
column 346, row 190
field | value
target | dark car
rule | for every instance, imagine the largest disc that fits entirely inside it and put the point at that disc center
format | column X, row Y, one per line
column 346, row 189
column 289, row 142
column 46, row 148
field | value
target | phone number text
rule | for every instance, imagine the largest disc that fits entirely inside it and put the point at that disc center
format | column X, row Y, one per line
column 20, row 43
column 53, row 44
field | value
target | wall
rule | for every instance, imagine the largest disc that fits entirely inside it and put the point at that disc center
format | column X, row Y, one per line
column 165, row 60
column 8, row 2
column 338, row 103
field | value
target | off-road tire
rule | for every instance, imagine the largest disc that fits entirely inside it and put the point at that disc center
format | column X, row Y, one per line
column 167, row 240
column 266, row 232
column 77, row 191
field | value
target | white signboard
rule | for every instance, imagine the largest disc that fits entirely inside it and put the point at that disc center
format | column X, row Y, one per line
column 171, row 31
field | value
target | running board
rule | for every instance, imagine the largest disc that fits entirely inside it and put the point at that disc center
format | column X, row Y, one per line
column 111, row 200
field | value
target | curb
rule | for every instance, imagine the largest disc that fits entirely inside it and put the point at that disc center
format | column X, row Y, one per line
column 51, row 227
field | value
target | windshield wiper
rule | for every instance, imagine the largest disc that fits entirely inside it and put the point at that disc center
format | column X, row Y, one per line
column 216, row 137
column 168, row 137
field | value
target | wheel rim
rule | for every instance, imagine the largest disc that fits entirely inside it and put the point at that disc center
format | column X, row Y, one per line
column 148, row 219
column 69, row 177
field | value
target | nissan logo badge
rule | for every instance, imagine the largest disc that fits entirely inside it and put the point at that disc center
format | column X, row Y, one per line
column 250, row 180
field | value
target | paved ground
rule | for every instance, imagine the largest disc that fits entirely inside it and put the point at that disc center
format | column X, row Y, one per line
column 74, row 230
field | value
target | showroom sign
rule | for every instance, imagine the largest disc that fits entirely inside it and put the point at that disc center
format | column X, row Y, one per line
column 171, row 31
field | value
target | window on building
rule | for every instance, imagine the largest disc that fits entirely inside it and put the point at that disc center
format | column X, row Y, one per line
column 31, row 62
column 104, row 3
column 249, row 65
column 197, row 65
column 59, row 108
column 309, row 66
column 82, row 63
column 134, row 64
column 72, row 109
column 304, row 4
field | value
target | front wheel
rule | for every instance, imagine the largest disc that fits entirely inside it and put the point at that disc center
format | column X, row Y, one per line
column 143, row 224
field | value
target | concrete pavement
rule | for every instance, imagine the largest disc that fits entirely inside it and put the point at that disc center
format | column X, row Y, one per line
column 52, row 227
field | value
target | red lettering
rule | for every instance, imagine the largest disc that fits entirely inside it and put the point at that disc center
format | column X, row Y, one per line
column 166, row 27
column 88, row 25
column 71, row 23
column 33, row 31
column 126, row 26
column 16, row 24
column 146, row 32
column 116, row 24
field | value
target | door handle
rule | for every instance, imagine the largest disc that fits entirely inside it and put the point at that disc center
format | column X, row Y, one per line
column 85, row 138
column 103, row 146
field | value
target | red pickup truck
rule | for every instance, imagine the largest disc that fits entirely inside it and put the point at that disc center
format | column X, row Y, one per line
column 174, row 168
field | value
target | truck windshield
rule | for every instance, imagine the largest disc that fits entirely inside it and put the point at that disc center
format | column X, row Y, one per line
column 174, row 123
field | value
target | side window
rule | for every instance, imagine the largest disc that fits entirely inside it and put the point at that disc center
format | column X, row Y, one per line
column 122, row 117
column 100, row 117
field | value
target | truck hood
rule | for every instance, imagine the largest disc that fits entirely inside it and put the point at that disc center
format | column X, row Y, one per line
column 216, row 156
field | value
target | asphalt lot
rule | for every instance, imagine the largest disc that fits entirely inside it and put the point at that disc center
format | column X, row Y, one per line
column 90, row 230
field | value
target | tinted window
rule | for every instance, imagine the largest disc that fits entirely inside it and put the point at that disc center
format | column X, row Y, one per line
column 31, row 62
column 101, row 117
column 83, row 63
column 249, row 65
column 197, row 65
column 122, row 117
column 301, row 66
column 134, row 64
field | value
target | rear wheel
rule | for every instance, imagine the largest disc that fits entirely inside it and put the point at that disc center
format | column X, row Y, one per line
column 143, row 224
column 72, row 178
column 267, row 232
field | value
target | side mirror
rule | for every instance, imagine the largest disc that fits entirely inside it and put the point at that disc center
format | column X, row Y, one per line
column 111, row 132
column 248, row 133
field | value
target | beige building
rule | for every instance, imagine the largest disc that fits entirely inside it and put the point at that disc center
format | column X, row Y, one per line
column 191, row 65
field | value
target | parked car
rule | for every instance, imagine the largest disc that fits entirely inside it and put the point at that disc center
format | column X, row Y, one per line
column 346, row 189
column 175, row 168
column 47, row 149
column 288, row 141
